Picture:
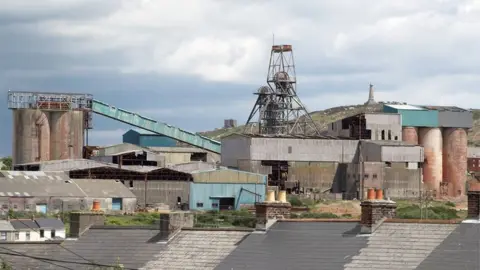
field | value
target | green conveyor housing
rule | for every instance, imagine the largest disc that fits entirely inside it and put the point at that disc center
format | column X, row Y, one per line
column 146, row 123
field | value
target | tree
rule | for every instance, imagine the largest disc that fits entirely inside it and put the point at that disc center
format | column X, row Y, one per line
column 5, row 266
column 7, row 163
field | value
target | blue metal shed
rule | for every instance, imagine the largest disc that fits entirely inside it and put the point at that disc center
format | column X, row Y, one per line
column 414, row 116
column 224, row 189
column 147, row 139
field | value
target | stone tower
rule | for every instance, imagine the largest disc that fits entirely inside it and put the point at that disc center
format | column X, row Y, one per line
column 371, row 100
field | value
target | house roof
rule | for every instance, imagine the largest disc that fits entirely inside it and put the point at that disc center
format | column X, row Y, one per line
column 5, row 226
column 23, row 224
column 337, row 245
column 50, row 223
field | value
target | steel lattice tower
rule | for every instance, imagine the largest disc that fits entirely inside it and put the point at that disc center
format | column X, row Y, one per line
column 280, row 111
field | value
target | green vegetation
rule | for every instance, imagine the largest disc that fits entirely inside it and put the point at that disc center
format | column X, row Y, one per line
column 221, row 219
column 133, row 220
column 297, row 201
column 313, row 215
column 7, row 163
column 414, row 211
column 450, row 204
column 5, row 266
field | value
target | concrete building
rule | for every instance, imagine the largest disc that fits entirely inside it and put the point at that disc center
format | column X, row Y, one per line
column 146, row 138
column 54, row 192
column 442, row 131
column 327, row 165
column 369, row 126
column 178, row 155
column 223, row 189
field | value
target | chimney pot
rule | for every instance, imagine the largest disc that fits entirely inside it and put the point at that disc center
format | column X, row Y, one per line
column 379, row 194
column 371, row 194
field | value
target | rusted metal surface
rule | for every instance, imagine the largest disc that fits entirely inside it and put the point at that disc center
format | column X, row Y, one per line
column 31, row 134
column 410, row 135
column 431, row 139
column 59, row 135
column 455, row 160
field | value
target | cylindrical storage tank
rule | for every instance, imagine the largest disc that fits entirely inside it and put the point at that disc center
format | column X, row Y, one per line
column 76, row 134
column 410, row 135
column 59, row 135
column 431, row 140
column 455, row 160
column 31, row 136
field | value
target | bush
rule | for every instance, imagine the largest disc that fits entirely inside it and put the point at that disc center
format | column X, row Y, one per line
column 295, row 201
column 434, row 212
column 450, row 204
column 242, row 218
column 313, row 215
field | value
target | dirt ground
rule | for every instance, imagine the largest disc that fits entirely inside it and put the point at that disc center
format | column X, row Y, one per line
column 340, row 208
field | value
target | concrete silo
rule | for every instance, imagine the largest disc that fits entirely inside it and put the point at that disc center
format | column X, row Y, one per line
column 432, row 141
column 455, row 160
column 31, row 136
column 410, row 135
column 66, row 136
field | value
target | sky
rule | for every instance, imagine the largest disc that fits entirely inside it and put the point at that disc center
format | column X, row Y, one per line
column 193, row 63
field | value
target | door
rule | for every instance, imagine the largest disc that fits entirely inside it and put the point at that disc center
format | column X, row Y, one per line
column 117, row 204
column 227, row 203
column 41, row 208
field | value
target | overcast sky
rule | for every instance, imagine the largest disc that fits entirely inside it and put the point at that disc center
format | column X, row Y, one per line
column 193, row 63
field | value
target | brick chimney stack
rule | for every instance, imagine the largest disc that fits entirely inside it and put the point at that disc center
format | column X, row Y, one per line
column 269, row 211
column 473, row 195
column 375, row 210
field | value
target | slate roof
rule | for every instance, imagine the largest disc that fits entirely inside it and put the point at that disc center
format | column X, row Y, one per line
column 24, row 224
column 298, row 245
column 50, row 223
column 5, row 226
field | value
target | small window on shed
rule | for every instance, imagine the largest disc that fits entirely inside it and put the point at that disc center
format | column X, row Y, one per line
column 214, row 205
column 374, row 176
column 396, row 138
column 289, row 149
column 131, row 183
column 388, row 164
column 199, row 204
column 383, row 134
column 42, row 233
column 179, row 200
column 333, row 126
column 389, row 135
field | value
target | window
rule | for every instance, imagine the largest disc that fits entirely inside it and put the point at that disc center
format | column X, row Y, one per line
column 289, row 149
column 5, row 206
column 374, row 176
column 17, row 236
column 3, row 236
column 27, row 206
column 131, row 183
column 199, row 204
column 214, row 205
column 15, row 206
column 365, row 176
column 27, row 236
column 396, row 138
column 42, row 233
column 179, row 200
column 389, row 135
column 52, row 234
column 383, row 134
column 333, row 126
column 388, row 164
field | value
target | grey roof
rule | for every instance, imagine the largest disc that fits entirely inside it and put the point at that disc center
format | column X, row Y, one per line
column 103, row 188
column 50, row 223
column 177, row 149
column 193, row 166
column 68, row 164
column 460, row 250
column 23, row 224
column 192, row 249
column 5, row 226
column 298, row 245
column 38, row 184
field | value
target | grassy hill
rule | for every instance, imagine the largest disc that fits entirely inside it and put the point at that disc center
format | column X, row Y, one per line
column 325, row 117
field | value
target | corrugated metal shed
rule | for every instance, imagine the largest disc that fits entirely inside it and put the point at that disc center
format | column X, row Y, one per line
column 227, row 176
column 103, row 188
column 146, row 138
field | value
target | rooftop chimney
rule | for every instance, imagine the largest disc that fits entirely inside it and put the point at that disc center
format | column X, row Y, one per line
column 269, row 211
column 375, row 210
column 473, row 195
column 80, row 222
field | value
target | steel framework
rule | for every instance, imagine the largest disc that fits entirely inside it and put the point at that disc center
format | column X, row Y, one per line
column 280, row 111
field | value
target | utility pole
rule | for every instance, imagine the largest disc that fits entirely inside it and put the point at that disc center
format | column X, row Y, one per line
column 360, row 158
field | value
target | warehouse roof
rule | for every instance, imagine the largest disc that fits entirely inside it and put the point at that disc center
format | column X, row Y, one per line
column 63, row 165
column 103, row 188
column 405, row 107
column 391, row 143
column 249, row 135
column 176, row 149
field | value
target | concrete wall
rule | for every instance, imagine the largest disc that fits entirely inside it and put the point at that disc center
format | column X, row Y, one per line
column 228, row 176
column 315, row 175
column 371, row 151
column 166, row 192
column 235, row 147
column 209, row 194
column 455, row 119
column 63, row 204
column 473, row 152
column 402, row 154
column 402, row 183
column 343, row 151
column 384, row 122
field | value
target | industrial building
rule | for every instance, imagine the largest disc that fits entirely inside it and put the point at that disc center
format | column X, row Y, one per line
column 146, row 138
column 223, row 189
column 442, row 132
column 343, row 167
column 53, row 192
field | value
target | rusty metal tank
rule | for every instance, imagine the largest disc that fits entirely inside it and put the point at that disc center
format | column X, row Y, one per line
column 410, row 135
column 432, row 141
column 66, row 136
column 31, row 136
column 455, row 160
